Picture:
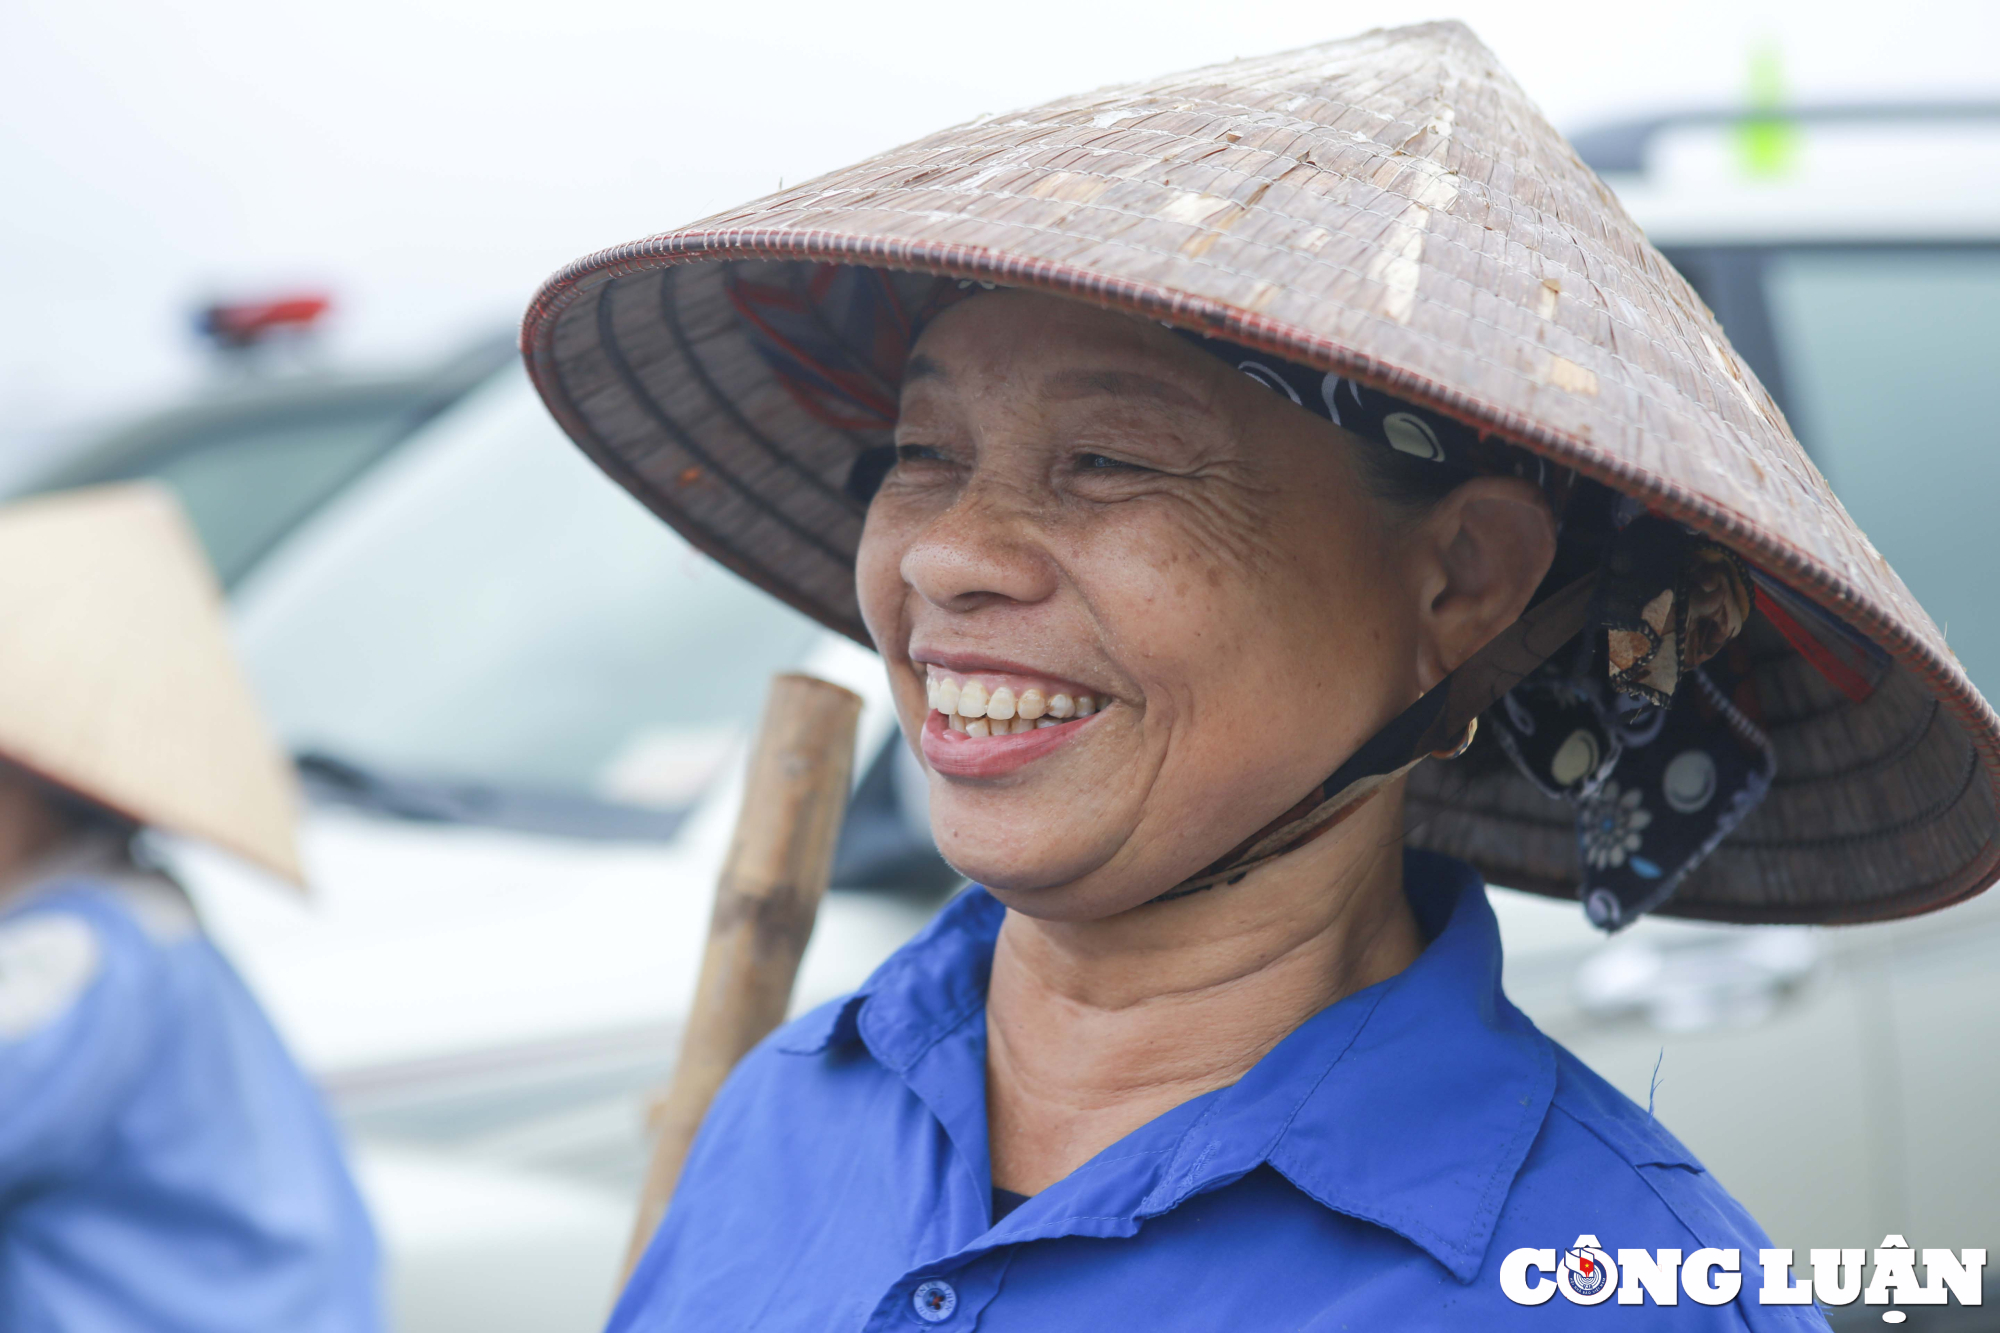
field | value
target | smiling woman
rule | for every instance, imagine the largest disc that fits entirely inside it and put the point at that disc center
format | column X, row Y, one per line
column 1282, row 614
column 1257, row 483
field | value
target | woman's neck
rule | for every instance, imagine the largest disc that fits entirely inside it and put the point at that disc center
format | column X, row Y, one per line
column 1095, row 1028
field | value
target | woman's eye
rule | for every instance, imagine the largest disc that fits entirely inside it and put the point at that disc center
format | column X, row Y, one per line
column 1105, row 463
column 919, row 453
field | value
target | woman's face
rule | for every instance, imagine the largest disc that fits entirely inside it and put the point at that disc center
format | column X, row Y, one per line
column 1176, row 583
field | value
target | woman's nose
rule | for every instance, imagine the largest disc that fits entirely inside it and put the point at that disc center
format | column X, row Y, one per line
column 985, row 549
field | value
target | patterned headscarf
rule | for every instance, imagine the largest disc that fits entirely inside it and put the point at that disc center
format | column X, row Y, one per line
column 1384, row 419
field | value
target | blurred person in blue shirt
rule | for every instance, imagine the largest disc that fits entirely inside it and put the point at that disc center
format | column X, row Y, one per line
column 164, row 1164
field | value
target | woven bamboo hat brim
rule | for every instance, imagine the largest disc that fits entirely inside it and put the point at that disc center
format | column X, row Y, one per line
column 117, row 681
column 1392, row 208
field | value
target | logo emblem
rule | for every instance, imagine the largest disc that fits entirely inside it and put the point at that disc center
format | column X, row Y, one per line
column 1588, row 1275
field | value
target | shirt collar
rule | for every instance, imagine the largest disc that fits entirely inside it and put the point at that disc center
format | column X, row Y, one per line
column 922, row 993
column 1411, row 1104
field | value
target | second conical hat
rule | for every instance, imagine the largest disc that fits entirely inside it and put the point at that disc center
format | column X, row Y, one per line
column 117, row 680
column 1392, row 209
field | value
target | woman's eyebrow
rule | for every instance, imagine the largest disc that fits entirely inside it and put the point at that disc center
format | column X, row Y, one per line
column 1121, row 384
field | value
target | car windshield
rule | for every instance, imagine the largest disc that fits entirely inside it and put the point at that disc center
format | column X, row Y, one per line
column 243, row 492
column 249, row 473
column 486, row 606
column 1889, row 357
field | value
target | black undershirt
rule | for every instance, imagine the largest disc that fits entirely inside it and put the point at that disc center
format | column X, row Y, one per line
column 1005, row 1202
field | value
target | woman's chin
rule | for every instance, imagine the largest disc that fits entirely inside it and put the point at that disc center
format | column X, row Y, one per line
column 1048, row 885
column 1020, row 873
column 1007, row 872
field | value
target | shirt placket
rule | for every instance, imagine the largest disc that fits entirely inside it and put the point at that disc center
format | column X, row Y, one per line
column 1099, row 1201
column 948, row 1293
column 951, row 1290
column 948, row 1296
column 948, row 1075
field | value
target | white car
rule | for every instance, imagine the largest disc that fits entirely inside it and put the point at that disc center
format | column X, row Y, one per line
column 520, row 705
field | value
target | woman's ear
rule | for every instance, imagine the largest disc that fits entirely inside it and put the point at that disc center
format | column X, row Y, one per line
column 1484, row 549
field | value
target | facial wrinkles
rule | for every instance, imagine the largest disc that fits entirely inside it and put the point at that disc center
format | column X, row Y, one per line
column 1216, row 521
column 1080, row 626
column 1015, row 492
column 1272, row 633
column 1194, row 601
column 1184, row 696
column 1210, row 509
column 1232, row 481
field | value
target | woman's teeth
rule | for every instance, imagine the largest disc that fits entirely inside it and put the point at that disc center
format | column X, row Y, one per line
column 970, row 709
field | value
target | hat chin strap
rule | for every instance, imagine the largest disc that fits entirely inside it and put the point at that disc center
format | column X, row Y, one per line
column 1434, row 724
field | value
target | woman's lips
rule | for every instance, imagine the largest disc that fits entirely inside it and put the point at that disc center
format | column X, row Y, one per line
column 959, row 755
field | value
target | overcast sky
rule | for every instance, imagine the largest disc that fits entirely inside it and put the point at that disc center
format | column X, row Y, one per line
column 429, row 161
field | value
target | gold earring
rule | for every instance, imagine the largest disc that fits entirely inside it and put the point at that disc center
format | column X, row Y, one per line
column 1464, row 743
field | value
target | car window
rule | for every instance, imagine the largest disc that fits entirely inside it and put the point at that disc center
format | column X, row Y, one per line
column 247, row 474
column 486, row 605
column 1889, row 356
column 245, row 490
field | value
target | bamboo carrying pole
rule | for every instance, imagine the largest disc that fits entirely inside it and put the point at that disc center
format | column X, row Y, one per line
column 777, row 869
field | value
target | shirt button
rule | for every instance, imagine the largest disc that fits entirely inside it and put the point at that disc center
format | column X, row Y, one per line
column 935, row 1301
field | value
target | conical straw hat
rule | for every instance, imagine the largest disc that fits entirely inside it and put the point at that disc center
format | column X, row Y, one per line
column 1390, row 208
column 117, row 680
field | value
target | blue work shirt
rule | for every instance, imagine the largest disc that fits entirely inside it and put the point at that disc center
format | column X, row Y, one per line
column 1371, row 1172
column 164, row 1165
